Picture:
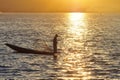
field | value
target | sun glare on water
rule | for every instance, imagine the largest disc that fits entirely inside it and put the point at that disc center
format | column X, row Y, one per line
column 73, row 46
column 76, row 19
column 77, row 23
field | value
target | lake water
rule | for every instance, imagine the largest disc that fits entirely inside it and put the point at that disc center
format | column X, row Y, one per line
column 89, row 46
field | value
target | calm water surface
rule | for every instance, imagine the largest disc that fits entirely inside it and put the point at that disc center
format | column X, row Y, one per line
column 89, row 46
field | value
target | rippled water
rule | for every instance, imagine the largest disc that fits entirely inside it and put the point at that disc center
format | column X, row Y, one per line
column 88, row 45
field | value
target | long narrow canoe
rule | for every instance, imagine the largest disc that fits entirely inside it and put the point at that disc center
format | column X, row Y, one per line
column 26, row 50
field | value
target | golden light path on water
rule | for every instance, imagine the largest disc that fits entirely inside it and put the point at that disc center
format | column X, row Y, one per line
column 77, row 30
column 77, row 23
column 74, row 48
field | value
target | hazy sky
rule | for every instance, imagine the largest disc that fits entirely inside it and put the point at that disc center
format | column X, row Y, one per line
column 60, row 5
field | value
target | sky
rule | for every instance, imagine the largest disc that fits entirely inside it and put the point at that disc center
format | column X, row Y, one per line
column 59, row 5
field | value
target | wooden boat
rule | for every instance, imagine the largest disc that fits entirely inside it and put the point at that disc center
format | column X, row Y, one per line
column 26, row 50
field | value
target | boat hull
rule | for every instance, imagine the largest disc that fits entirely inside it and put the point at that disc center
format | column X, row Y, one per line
column 26, row 50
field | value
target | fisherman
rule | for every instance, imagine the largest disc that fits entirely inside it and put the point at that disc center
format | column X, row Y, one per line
column 25, row 50
column 55, row 44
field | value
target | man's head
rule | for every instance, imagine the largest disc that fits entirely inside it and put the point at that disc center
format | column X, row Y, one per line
column 56, row 35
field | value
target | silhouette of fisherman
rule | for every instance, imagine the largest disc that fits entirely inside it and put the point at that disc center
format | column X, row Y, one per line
column 55, row 44
column 25, row 50
column 55, row 47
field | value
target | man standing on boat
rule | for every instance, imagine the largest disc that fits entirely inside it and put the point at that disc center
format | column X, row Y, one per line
column 55, row 44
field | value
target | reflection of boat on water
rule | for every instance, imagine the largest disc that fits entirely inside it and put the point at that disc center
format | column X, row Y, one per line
column 26, row 50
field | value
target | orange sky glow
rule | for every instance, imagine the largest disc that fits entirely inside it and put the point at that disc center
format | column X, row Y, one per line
column 59, row 5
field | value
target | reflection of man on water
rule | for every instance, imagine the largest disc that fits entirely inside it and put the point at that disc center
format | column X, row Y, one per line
column 55, row 43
